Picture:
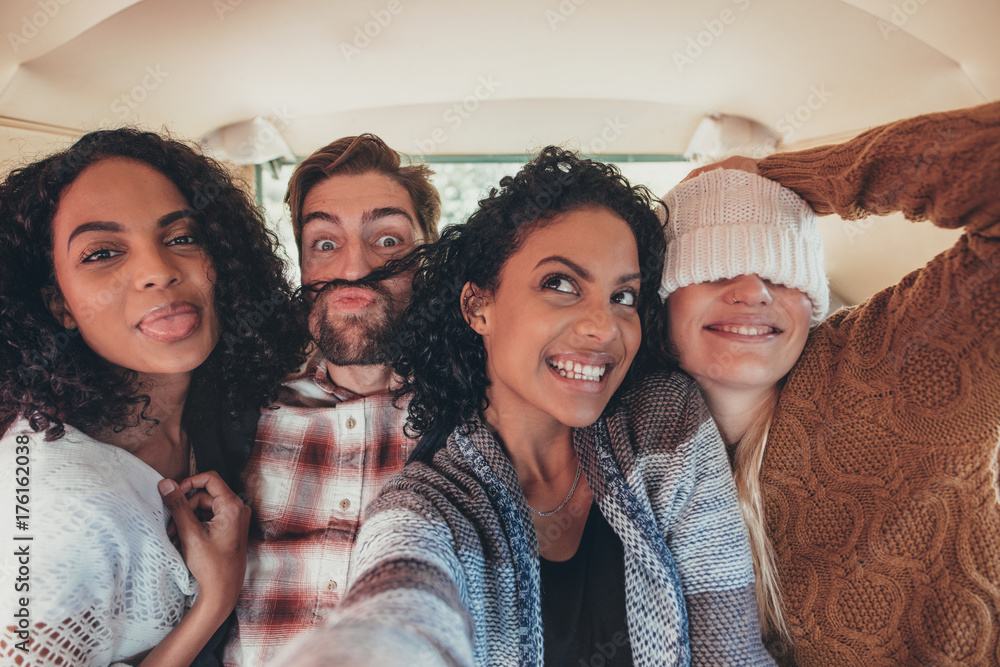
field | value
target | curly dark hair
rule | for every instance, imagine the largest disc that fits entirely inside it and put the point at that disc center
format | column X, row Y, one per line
column 49, row 376
column 441, row 358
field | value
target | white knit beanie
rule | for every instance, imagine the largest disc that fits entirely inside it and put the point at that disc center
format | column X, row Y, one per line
column 727, row 222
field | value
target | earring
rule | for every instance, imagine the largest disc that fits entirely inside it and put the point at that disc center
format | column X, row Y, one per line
column 472, row 304
column 465, row 302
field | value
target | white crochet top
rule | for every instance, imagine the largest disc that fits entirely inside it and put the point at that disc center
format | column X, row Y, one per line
column 104, row 581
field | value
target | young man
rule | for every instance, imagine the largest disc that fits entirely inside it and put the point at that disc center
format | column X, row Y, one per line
column 336, row 436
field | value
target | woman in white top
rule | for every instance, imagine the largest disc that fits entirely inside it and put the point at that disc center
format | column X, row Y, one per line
column 144, row 318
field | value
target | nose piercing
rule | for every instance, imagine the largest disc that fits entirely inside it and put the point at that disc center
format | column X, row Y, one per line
column 735, row 300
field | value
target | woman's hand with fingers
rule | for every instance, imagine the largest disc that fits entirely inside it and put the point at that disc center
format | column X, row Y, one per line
column 212, row 524
column 734, row 162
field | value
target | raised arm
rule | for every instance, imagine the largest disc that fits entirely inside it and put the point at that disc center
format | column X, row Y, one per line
column 405, row 603
column 942, row 167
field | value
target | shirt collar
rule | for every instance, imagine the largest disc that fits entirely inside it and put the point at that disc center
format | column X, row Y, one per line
column 318, row 367
column 312, row 385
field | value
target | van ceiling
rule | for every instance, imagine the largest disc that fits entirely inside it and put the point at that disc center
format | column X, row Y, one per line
column 450, row 77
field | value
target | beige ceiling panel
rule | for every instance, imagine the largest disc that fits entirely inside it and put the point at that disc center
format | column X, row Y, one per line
column 479, row 124
column 808, row 69
column 33, row 28
column 964, row 30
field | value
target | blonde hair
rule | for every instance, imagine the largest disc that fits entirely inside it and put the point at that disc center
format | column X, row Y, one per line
column 746, row 472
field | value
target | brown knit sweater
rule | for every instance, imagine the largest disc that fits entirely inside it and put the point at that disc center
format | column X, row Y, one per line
column 880, row 474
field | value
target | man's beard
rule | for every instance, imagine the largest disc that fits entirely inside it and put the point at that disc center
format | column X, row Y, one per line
column 361, row 339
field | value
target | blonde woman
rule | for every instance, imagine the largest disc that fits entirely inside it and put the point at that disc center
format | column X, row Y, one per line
column 864, row 446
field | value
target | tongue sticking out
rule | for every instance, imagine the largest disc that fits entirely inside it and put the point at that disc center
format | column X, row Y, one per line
column 171, row 327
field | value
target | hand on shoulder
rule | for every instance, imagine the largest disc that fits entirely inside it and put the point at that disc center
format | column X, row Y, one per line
column 734, row 162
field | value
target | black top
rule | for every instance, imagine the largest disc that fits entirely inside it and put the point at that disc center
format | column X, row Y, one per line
column 583, row 601
column 224, row 447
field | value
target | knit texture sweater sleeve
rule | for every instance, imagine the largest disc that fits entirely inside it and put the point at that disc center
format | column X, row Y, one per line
column 409, row 596
column 941, row 167
column 880, row 473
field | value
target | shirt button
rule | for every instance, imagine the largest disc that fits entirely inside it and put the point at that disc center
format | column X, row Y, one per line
column 345, row 504
column 351, row 423
column 331, row 585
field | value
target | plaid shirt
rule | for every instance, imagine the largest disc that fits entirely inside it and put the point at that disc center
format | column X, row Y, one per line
column 319, row 459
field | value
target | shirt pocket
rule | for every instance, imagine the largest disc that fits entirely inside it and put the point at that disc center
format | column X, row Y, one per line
column 269, row 479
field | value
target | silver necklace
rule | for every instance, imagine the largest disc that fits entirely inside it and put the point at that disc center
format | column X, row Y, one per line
column 576, row 479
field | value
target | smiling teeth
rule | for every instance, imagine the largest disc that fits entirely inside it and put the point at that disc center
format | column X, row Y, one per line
column 576, row 371
column 746, row 331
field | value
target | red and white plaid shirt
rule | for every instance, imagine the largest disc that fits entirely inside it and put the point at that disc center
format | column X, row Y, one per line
column 319, row 459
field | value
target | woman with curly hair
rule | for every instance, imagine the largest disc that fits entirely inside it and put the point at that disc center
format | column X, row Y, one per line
column 580, row 509
column 145, row 319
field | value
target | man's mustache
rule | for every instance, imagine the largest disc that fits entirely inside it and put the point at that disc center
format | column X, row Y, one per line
column 373, row 281
column 323, row 286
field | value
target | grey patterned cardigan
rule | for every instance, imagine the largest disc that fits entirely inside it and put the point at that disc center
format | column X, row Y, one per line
column 446, row 566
